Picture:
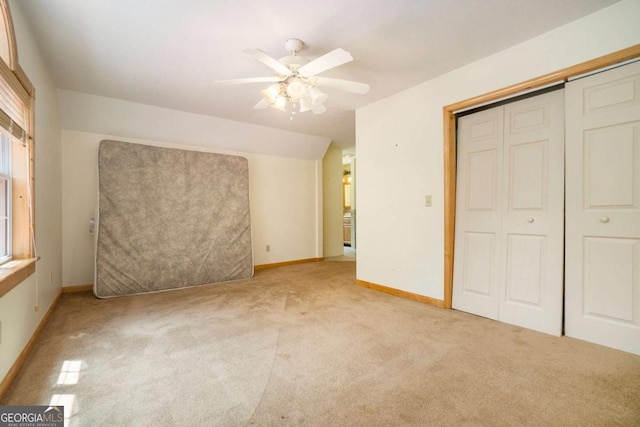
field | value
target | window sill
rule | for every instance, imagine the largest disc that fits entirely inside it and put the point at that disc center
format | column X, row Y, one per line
column 15, row 272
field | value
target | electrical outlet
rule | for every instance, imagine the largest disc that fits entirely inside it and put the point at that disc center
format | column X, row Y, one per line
column 268, row 248
column 427, row 201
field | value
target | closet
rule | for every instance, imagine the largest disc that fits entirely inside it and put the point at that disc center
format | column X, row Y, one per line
column 520, row 256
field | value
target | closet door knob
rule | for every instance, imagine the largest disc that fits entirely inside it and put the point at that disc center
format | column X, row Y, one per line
column 604, row 219
column 530, row 220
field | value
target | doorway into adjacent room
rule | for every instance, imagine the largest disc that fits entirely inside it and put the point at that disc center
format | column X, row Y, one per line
column 348, row 205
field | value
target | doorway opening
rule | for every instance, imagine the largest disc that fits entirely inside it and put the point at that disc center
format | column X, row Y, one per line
column 348, row 204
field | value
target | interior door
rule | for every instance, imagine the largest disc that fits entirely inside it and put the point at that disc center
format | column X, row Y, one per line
column 509, row 213
column 603, row 208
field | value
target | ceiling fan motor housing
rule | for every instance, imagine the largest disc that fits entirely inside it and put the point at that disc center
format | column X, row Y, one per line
column 294, row 46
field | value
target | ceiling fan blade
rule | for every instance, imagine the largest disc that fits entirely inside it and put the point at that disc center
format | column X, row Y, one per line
column 269, row 61
column 262, row 104
column 346, row 85
column 248, row 80
column 325, row 62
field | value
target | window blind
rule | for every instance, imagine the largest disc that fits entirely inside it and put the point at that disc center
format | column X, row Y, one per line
column 14, row 103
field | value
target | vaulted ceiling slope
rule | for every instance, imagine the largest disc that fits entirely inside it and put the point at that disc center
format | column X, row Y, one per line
column 169, row 53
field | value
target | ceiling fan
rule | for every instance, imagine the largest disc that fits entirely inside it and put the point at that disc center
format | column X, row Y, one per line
column 296, row 81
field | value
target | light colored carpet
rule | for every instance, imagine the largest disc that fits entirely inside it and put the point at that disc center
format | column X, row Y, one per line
column 303, row 346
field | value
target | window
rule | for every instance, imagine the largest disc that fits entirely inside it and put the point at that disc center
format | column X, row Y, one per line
column 5, row 197
column 16, row 162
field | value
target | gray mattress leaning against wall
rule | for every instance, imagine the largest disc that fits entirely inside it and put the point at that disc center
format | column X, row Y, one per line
column 170, row 219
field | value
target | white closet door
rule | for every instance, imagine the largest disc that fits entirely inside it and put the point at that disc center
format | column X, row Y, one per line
column 509, row 213
column 478, row 213
column 603, row 209
column 533, row 213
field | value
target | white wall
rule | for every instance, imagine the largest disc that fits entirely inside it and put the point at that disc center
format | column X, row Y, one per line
column 399, row 141
column 332, row 202
column 17, row 314
column 285, row 200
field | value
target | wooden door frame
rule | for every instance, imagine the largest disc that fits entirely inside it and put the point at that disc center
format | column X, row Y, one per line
column 450, row 139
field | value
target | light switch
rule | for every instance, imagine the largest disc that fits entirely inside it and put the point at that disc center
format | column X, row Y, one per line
column 427, row 201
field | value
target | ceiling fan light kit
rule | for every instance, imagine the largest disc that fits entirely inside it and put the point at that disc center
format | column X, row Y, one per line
column 296, row 83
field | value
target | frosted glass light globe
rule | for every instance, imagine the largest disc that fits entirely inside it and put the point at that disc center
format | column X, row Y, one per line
column 296, row 89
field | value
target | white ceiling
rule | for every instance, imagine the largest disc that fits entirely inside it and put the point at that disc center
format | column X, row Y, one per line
column 168, row 53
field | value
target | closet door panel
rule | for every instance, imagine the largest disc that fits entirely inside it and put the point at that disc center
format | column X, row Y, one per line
column 479, row 266
column 525, row 269
column 528, row 176
column 477, row 257
column 533, row 215
column 603, row 208
column 609, row 167
column 608, row 279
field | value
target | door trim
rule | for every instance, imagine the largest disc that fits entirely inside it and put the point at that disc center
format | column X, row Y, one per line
column 449, row 122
